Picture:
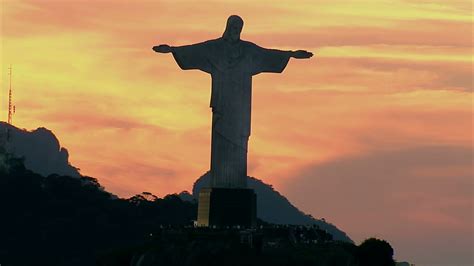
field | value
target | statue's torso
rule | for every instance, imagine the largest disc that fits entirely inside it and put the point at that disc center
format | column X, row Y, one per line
column 231, row 96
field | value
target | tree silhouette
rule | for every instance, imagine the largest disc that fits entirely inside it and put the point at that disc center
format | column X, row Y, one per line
column 375, row 252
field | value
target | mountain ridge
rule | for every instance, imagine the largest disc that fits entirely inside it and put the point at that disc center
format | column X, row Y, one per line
column 43, row 154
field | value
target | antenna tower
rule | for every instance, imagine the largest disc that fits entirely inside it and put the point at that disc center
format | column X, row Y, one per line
column 11, row 108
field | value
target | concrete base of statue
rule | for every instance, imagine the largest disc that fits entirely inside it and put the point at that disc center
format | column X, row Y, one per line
column 222, row 207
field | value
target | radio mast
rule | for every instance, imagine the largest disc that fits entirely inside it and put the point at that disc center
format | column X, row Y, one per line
column 11, row 108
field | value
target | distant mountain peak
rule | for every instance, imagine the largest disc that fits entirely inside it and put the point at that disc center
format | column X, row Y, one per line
column 40, row 149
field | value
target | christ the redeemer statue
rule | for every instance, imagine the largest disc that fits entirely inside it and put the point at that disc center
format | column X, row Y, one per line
column 231, row 62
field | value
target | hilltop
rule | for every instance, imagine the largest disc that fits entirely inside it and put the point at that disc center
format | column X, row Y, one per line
column 43, row 154
column 61, row 219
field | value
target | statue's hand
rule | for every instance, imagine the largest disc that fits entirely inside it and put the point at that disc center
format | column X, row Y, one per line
column 300, row 54
column 163, row 48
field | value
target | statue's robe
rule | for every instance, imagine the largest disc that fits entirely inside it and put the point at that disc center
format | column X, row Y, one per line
column 231, row 67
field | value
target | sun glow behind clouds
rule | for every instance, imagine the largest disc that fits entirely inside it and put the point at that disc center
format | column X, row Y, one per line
column 387, row 76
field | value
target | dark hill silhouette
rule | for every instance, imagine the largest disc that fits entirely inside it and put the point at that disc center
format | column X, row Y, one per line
column 43, row 154
column 62, row 220
column 272, row 207
column 40, row 148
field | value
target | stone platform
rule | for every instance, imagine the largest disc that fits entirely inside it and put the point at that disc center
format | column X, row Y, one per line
column 221, row 207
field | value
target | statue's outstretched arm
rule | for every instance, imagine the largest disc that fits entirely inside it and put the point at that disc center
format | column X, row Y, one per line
column 163, row 48
column 301, row 54
column 193, row 56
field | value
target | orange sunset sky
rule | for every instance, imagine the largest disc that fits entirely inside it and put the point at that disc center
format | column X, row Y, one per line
column 374, row 133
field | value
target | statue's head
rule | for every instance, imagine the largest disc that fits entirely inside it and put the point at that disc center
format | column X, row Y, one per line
column 233, row 28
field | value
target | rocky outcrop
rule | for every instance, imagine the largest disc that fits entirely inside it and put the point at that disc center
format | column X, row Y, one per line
column 39, row 148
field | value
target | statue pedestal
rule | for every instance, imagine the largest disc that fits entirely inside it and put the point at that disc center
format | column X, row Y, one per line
column 223, row 207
